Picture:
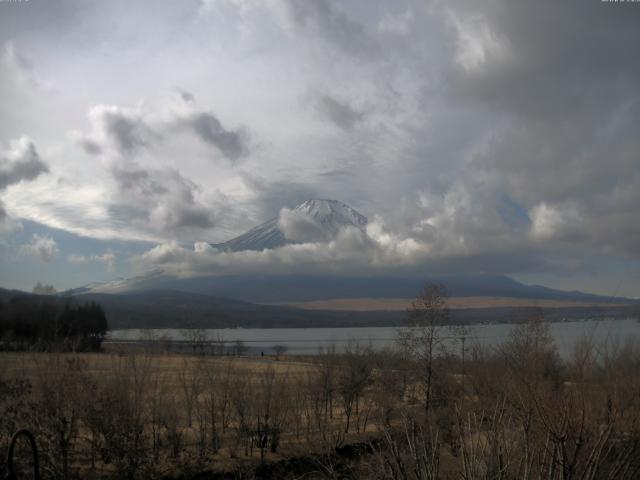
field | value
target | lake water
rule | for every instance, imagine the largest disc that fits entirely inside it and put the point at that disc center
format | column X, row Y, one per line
column 309, row 340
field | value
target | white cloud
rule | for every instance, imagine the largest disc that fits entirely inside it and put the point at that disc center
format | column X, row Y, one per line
column 350, row 251
column 79, row 259
column 547, row 221
column 107, row 258
column 20, row 163
column 24, row 68
column 42, row 247
column 476, row 41
column 301, row 228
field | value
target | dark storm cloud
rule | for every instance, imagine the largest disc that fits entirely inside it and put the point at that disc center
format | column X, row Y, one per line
column 162, row 198
column 186, row 96
column 564, row 93
column 90, row 146
column 138, row 181
column 129, row 130
column 234, row 144
column 339, row 112
column 190, row 216
column 271, row 196
column 152, row 200
column 558, row 59
column 21, row 163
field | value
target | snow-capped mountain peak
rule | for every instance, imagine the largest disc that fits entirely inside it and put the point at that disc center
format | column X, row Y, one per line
column 331, row 214
column 317, row 219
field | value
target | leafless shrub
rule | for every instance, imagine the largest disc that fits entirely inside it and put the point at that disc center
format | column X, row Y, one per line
column 353, row 377
column 409, row 451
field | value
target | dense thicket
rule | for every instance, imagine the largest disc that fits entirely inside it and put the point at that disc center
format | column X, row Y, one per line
column 511, row 412
column 34, row 322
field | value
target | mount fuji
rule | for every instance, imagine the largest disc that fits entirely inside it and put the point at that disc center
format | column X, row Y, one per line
column 312, row 220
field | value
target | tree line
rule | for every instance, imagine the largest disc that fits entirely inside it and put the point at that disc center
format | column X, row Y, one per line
column 39, row 322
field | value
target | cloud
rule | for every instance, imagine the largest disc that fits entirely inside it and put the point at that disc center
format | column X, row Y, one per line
column 127, row 131
column 327, row 21
column 90, row 146
column 17, row 58
column 234, row 144
column 8, row 226
column 553, row 128
column 495, row 134
column 24, row 67
column 107, row 258
column 549, row 221
column 20, row 163
column 397, row 23
column 186, row 96
column 41, row 247
column 124, row 129
column 375, row 250
column 146, row 197
column 78, row 259
column 300, row 228
column 340, row 113
column 476, row 43
column 162, row 198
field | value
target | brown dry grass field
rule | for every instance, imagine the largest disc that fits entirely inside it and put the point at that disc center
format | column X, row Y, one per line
column 176, row 399
column 29, row 365
column 516, row 411
column 400, row 304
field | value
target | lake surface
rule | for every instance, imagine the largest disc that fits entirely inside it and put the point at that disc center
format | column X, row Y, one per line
column 309, row 340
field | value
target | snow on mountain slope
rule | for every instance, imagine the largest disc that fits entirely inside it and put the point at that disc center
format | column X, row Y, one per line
column 331, row 215
column 150, row 280
column 311, row 220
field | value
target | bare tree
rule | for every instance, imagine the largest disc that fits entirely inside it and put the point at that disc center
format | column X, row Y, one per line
column 240, row 348
column 190, row 380
column 218, row 344
column 353, row 378
column 280, row 350
column 197, row 339
column 424, row 334
column 270, row 409
column 59, row 406
column 216, row 385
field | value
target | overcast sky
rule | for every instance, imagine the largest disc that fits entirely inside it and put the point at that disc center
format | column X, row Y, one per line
column 476, row 136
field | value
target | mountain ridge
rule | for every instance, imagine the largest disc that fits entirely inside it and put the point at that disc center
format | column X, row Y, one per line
column 292, row 288
column 164, row 308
